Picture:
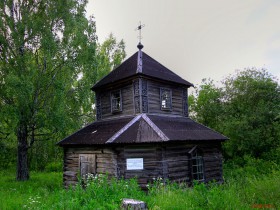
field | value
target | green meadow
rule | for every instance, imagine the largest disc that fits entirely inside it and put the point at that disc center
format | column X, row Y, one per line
column 256, row 185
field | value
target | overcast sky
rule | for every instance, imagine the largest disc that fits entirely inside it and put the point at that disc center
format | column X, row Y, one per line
column 196, row 39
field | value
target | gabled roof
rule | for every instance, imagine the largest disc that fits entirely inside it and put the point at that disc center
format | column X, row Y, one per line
column 141, row 64
column 141, row 129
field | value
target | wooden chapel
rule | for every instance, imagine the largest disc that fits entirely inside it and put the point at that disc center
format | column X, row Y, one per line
column 143, row 129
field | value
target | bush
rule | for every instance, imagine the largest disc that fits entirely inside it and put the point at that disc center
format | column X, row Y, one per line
column 249, row 167
column 108, row 192
column 7, row 156
column 54, row 167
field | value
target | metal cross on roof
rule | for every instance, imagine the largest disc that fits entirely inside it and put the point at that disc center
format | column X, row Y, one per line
column 139, row 29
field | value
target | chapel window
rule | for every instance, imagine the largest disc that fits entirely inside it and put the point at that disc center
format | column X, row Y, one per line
column 116, row 101
column 197, row 166
column 166, row 99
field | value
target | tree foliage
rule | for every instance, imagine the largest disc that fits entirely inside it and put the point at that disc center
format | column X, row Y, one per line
column 246, row 109
column 206, row 107
column 49, row 58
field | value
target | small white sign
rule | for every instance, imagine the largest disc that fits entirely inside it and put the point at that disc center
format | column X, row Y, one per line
column 134, row 164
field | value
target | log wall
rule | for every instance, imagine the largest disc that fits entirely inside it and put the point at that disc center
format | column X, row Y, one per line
column 169, row 161
column 151, row 102
column 127, row 102
column 154, row 103
column 152, row 163
column 178, row 161
column 106, row 162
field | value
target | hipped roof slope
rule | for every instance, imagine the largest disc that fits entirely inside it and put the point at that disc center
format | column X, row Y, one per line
column 141, row 64
column 142, row 128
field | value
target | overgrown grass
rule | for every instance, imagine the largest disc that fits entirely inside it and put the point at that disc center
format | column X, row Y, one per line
column 45, row 191
column 244, row 193
column 244, row 188
column 16, row 195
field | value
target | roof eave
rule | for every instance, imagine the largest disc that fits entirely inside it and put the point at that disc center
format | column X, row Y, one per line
column 96, row 86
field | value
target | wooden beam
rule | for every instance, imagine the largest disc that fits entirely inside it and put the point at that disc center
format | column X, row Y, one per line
column 155, row 128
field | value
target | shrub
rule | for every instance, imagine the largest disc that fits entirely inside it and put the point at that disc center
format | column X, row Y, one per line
column 54, row 167
column 101, row 192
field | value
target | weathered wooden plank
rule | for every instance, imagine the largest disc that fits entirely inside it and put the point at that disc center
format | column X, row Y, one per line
column 105, row 159
column 211, row 172
column 70, row 178
column 181, row 180
column 175, row 176
column 177, row 154
column 70, row 183
column 211, row 163
column 77, row 151
column 180, row 168
column 179, row 147
column 106, row 165
column 151, row 164
column 106, row 170
column 139, row 150
column 71, row 163
column 71, row 168
column 88, row 150
column 127, row 102
column 70, row 173
column 111, row 160
column 70, row 159
column 71, row 156
column 146, row 156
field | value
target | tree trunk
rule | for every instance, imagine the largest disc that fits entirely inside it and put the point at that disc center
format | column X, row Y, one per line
column 22, row 162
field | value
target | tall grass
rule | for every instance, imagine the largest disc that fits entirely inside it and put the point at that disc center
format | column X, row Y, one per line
column 18, row 195
column 244, row 188
column 263, row 191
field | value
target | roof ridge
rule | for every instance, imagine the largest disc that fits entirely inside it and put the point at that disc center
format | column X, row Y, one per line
column 170, row 71
column 108, row 75
column 123, row 129
column 158, row 131
column 139, row 62
column 155, row 128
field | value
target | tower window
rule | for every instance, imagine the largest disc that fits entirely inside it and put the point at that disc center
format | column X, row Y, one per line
column 166, row 99
column 116, row 101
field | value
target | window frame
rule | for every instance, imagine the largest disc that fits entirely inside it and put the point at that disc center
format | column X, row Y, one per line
column 114, row 98
column 197, row 166
column 169, row 100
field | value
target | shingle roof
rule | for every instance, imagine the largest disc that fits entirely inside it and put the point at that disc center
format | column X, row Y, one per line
column 97, row 132
column 182, row 128
column 140, row 129
column 141, row 64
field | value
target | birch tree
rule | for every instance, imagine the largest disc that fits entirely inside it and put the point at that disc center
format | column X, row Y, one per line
column 44, row 46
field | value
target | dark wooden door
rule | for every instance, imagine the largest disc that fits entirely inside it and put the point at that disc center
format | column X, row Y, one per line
column 87, row 164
